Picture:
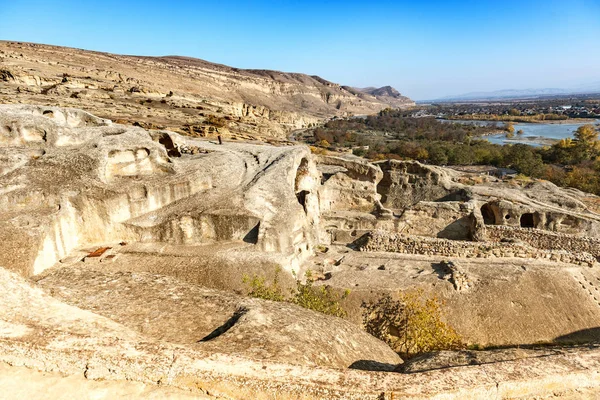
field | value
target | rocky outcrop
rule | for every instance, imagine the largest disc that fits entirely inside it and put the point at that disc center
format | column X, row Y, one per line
column 388, row 95
column 348, row 184
column 542, row 239
column 45, row 343
column 406, row 183
column 72, row 180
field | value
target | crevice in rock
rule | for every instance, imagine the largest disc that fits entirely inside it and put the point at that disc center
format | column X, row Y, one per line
column 226, row 326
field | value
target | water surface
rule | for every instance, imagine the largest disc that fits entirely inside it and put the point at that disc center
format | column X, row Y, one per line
column 534, row 134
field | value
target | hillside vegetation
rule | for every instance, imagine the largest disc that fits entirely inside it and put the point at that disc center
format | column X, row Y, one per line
column 393, row 135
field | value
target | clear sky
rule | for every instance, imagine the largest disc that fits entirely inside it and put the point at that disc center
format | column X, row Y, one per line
column 425, row 49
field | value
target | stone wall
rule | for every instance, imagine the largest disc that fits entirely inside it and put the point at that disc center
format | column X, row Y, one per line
column 399, row 243
column 545, row 240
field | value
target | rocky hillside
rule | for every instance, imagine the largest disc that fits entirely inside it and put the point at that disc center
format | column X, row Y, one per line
column 183, row 94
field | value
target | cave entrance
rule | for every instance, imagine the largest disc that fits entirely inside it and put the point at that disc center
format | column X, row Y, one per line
column 301, row 196
column 527, row 221
column 168, row 144
column 301, row 174
column 252, row 236
column 489, row 218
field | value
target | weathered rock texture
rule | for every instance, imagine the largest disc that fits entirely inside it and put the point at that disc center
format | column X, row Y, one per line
column 166, row 309
column 545, row 240
column 83, row 181
column 423, row 200
column 78, row 351
column 508, row 301
column 130, row 232
column 178, row 93
column 405, row 184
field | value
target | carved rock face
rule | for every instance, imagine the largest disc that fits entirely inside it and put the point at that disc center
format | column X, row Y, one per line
column 90, row 182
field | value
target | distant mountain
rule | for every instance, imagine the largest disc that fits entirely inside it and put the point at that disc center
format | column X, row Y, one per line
column 524, row 93
column 387, row 94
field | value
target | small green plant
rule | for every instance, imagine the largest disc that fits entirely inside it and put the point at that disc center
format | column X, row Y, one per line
column 322, row 299
column 411, row 325
column 262, row 290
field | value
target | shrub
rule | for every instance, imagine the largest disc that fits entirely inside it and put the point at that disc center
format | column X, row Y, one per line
column 322, row 299
column 261, row 290
column 318, row 150
column 359, row 152
column 410, row 325
column 218, row 122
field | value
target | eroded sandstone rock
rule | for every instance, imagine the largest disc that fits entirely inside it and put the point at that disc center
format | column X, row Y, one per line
column 93, row 182
column 169, row 310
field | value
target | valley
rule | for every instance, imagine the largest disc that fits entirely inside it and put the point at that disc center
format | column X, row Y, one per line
column 173, row 227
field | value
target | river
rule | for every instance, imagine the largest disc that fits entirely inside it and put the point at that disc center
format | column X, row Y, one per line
column 534, row 134
column 539, row 134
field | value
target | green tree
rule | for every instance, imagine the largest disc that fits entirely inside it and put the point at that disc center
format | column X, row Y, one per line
column 585, row 179
column 509, row 127
column 586, row 145
column 524, row 159
column 410, row 325
column 437, row 155
column 586, row 134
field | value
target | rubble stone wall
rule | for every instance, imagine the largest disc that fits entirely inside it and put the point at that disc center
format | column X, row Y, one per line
column 399, row 243
column 545, row 240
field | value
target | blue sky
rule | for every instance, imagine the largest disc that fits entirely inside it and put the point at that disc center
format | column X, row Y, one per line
column 425, row 49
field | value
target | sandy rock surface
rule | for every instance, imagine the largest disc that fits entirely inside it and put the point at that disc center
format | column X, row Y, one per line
column 166, row 309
